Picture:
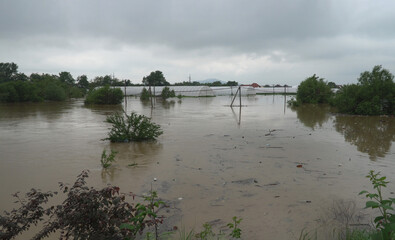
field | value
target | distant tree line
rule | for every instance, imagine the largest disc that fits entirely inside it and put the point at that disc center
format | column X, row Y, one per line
column 374, row 94
column 213, row 84
column 18, row 87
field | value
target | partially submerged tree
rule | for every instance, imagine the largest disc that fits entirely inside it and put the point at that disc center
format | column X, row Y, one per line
column 145, row 95
column 104, row 95
column 313, row 90
column 167, row 93
column 373, row 95
column 133, row 127
column 155, row 79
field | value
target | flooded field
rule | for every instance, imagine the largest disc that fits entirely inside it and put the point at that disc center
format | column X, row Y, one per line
column 212, row 162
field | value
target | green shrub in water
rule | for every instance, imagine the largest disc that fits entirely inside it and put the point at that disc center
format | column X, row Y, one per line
column 167, row 93
column 145, row 95
column 373, row 95
column 133, row 127
column 104, row 95
column 105, row 160
column 313, row 90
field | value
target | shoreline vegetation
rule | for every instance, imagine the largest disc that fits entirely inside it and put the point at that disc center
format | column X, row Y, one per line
column 374, row 94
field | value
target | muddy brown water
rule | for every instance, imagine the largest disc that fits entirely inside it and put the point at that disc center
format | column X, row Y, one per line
column 212, row 162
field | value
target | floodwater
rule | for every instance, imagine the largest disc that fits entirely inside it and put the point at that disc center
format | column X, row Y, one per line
column 213, row 162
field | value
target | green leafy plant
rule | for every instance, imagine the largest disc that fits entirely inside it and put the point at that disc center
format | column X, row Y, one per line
column 385, row 222
column 236, row 231
column 207, row 232
column 105, row 160
column 146, row 216
column 133, row 127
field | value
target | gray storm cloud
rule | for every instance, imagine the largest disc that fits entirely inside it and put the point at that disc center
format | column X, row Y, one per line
column 235, row 40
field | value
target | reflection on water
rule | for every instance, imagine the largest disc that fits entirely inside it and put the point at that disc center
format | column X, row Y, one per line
column 167, row 104
column 104, row 109
column 48, row 110
column 371, row 135
column 312, row 115
column 237, row 118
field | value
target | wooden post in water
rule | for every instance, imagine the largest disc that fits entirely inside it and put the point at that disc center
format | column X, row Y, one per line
column 240, row 95
column 238, row 91
column 126, row 101
column 150, row 95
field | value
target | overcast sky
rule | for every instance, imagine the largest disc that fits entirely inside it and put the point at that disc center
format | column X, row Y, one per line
column 263, row 41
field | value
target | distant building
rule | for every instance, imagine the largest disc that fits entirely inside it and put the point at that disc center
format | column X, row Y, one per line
column 254, row 85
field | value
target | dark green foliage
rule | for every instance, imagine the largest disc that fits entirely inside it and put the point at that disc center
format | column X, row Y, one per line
column 104, row 95
column 373, row 95
column 313, row 90
column 17, row 87
column 145, row 95
column 75, row 92
column 133, row 127
column 186, row 83
column 167, row 93
column 332, row 85
column 54, row 92
column 86, row 213
column 66, row 77
column 232, row 83
column 83, row 83
column 8, row 72
column 19, row 91
column 155, row 79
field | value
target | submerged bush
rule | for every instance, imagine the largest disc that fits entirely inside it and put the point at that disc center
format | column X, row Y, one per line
column 145, row 95
column 104, row 95
column 133, row 127
column 105, row 160
column 167, row 93
column 313, row 90
column 373, row 95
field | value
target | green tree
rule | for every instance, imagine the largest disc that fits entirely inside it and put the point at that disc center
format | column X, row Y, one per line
column 155, row 79
column 8, row 72
column 83, row 83
column 313, row 90
column 66, row 77
column 104, row 95
column 232, row 83
column 374, row 94
column 332, row 85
